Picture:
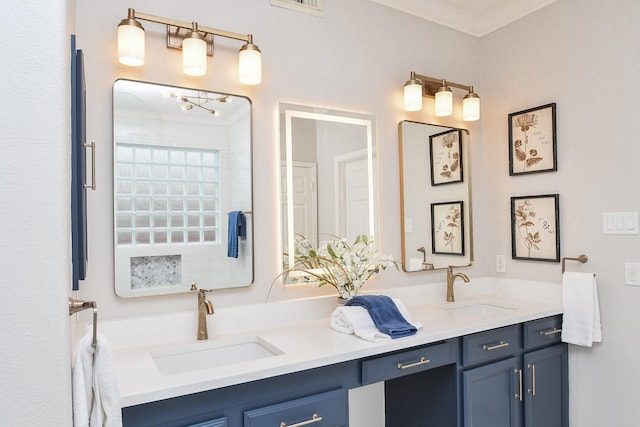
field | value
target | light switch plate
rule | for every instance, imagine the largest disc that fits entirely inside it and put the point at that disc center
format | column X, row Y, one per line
column 632, row 273
column 501, row 264
column 620, row 223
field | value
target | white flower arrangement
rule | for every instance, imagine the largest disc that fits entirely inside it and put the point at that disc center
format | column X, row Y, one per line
column 335, row 262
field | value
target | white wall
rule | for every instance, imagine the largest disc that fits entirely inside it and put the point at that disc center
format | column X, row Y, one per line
column 584, row 56
column 327, row 62
column 35, row 226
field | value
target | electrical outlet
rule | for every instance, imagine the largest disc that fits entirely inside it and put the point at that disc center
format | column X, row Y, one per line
column 501, row 264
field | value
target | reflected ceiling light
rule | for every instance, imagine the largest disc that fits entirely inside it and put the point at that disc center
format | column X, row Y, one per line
column 418, row 86
column 200, row 100
column 195, row 41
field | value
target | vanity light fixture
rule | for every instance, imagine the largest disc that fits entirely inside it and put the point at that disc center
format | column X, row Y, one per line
column 196, row 42
column 418, row 86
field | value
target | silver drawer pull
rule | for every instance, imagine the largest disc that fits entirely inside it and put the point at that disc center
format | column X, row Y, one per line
column 551, row 331
column 502, row 344
column 315, row 418
column 422, row 361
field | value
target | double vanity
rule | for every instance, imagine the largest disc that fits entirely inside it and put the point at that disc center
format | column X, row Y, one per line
column 493, row 355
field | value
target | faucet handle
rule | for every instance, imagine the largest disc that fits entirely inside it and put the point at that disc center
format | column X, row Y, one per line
column 194, row 287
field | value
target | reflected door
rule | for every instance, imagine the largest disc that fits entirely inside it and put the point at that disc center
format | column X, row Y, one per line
column 305, row 206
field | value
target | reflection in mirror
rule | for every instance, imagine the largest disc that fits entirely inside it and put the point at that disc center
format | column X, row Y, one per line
column 435, row 191
column 182, row 189
column 328, row 162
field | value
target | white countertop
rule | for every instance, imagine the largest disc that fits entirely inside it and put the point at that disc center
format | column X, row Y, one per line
column 301, row 331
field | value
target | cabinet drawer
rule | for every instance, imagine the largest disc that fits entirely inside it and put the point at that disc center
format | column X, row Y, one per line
column 545, row 331
column 490, row 345
column 329, row 409
column 408, row 362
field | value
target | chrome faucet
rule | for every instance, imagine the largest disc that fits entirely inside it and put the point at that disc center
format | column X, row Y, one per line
column 451, row 277
column 205, row 307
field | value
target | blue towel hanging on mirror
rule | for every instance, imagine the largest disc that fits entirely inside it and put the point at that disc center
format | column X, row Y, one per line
column 237, row 229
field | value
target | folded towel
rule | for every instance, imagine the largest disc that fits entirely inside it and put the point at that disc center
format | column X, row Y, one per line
column 581, row 318
column 373, row 318
column 237, row 229
column 356, row 320
column 96, row 399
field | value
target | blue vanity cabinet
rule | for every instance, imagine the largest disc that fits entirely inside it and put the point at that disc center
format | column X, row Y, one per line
column 288, row 397
column 545, row 371
column 491, row 378
column 515, row 376
column 419, row 384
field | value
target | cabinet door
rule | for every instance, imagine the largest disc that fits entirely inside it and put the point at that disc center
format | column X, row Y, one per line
column 492, row 395
column 546, row 384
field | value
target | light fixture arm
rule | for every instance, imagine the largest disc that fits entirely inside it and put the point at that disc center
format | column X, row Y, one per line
column 133, row 14
column 430, row 85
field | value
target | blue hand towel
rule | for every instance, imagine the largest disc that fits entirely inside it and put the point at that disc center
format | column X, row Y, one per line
column 385, row 315
column 237, row 228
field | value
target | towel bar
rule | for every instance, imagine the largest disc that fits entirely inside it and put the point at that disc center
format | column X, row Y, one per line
column 76, row 305
column 581, row 258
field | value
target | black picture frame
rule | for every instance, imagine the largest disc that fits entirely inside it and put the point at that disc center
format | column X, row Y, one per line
column 445, row 157
column 535, row 227
column 533, row 140
column 447, row 228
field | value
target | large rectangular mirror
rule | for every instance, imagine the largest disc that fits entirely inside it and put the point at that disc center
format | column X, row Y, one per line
column 328, row 162
column 435, row 192
column 182, row 167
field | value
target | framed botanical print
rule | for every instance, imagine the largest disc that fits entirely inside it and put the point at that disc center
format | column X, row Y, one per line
column 446, row 157
column 535, row 228
column 532, row 140
column 447, row 228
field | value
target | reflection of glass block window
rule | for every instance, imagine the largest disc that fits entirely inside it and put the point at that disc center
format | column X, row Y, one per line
column 166, row 195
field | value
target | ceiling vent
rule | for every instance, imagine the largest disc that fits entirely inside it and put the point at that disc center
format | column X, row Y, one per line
column 311, row 7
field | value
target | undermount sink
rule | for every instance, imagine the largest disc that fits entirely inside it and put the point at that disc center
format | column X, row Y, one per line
column 479, row 309
column 211, row 354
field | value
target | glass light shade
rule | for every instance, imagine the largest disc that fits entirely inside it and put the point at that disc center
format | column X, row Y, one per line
column 413, row 96
column 471, row 107
column 130, row 43
column 250, row 64
column 444, row 101
column 194, row 54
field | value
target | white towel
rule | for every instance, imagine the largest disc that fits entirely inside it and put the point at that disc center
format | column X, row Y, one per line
column 356, row 320
column 96, row 399
column 581, row 318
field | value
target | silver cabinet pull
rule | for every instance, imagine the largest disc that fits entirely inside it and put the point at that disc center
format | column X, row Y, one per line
column 422, row 361
column 519, row 394
column 551, row 331
column 315, row 418
column 93, row 165
column 502, row 344
column 532, row 390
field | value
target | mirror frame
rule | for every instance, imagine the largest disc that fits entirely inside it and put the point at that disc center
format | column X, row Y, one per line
column 467, row 205
column 288, row 112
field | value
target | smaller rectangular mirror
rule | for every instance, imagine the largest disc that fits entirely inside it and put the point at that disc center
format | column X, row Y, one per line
column 182, row 189
column 328, row 162
column 435, row 194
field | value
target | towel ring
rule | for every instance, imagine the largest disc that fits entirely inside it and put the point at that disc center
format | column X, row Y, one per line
column 76, row 305
column 581, row 258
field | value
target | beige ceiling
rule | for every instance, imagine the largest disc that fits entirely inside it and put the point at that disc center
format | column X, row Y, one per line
column 475, row 17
